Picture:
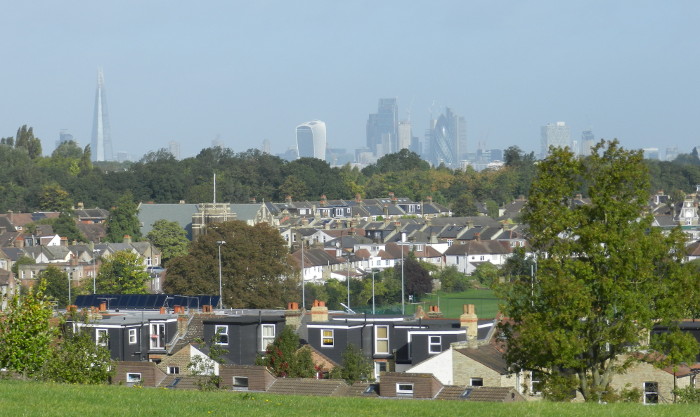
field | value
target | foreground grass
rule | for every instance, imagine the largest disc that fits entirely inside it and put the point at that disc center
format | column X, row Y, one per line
column 23, row 398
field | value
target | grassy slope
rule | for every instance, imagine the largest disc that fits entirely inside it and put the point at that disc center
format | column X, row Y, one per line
column 21, row 398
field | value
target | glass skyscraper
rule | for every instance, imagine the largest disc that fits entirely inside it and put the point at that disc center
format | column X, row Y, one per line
column 311, row 140
column 101, row 144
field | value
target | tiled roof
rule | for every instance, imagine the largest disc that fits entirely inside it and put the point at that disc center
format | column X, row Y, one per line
column 308, row 386
column 490, row 394
column 487, row 355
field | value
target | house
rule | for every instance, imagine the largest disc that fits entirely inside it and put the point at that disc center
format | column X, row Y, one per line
column 467, row 256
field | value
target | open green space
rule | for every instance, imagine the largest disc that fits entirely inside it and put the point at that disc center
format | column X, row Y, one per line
column 24, row 398
column 451, row 303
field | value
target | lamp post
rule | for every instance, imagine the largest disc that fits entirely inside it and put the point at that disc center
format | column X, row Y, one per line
column 95, row 253
column 303, row 288
column 69, row 274
column 403, row 297
column 221, row 296
column 373, row 271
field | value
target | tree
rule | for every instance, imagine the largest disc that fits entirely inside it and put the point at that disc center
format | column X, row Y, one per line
column 604, row 276
column 355, row 367
column 486, row 273
column 76, row 359
column 56, row 283
column 170, row 238
column 122, row 273
column 284, row 358
column 451, row 280
column 416, row 277
column 25, row 333
column 123, row 221
column 256, row 269
column 25, row 139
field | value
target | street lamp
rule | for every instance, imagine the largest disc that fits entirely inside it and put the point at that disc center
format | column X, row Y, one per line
column 95, row 254
column 373, row 271
column 69, row 273
column 403, row 297
column 221, row 297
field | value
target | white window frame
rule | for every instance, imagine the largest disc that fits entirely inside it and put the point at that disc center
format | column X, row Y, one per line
column 479, row 382
column 221, row 334
column 327, row 337
column 378, row 339
column 266, row 340
column 133, row 378
column 651, row 392
column 99, row 339
column 240, row 382
column 157, row 329
column 434, row 344
column 404, row 388
column 173, row 370
column 132, row 336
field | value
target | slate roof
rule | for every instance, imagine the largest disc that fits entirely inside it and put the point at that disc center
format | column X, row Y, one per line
column 309, row 386
column 488, row 356
column 314, row 257
column 479, row 247
column 180, row 213
column 488, row 394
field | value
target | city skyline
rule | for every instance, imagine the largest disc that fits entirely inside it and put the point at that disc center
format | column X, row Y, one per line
column 195, row 74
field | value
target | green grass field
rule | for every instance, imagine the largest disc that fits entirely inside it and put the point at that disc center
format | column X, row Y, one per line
column 451, row 304
column 23, row 398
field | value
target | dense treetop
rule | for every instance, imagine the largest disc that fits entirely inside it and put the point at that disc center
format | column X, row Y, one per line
column 32, row 182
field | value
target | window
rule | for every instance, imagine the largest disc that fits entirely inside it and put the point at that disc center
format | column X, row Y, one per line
column 267, row 336
column 221, row 332
column 132, row 336
column 434, row 344
column 101, row 337
column 536, row 382
column 476, row 382
column 404, row 389
column 133, row 378
column 381, row 339
column 482, row 258
column 173, row 370
column 651, row 393
column 379, row 367
column 157, row 335
column 327, row 338
column 240, row 382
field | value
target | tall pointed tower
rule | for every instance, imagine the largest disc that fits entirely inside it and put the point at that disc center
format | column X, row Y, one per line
column 101, row 144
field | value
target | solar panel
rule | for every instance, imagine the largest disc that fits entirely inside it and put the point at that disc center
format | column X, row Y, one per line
column 144, row 301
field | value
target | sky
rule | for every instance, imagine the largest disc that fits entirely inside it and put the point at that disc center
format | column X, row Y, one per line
column 244, row 72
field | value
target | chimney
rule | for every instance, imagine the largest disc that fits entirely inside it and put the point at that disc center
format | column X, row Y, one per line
column 323, row 201
column 468, row 320
column 433, row 238
column 420, row 313
column 319, row 311
column 182, row 201
column 358, row 198
column 292, row 316
column 288, row 199
column 430, row 199
column 391, row 195
column 127, row 239
column 252, row 200
column 81, row 206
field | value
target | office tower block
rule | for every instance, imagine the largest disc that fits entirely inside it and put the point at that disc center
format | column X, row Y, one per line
column 311, row 140
column 405, row 135
column 174, row 149
column 447, row 140
column 101, row 144
column 383, row 128
column 266, row 148
column 555, row 134
column 587, row 142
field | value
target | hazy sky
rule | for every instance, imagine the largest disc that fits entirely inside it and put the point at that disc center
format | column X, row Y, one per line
column 253, row 70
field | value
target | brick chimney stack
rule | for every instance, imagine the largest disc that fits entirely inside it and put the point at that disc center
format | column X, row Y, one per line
column 469, row 320
column 319, row 311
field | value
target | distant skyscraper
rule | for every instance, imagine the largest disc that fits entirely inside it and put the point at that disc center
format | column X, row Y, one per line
column 174, row 148
column 311, row 140
column 383, row 128
column 447, row 139
column 651, row 153
column 555, row 134
column 587, row 142
column 266, row 148
column 405, row 135
column 101, row 144
column 63, row 137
